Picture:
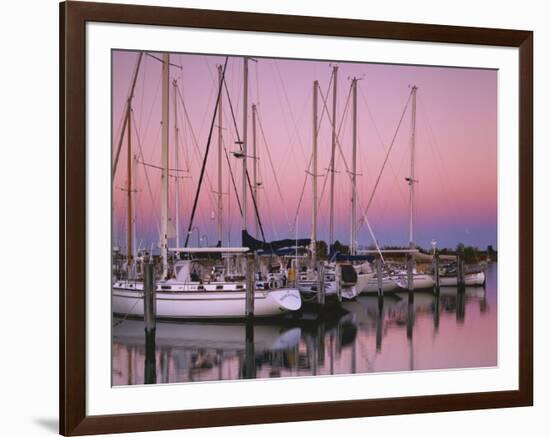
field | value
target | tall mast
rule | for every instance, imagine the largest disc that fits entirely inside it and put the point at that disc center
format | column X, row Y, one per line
column 176, row 176
column 220, row 151
column 353, row 234
column 255, row 170
column 134, row 212
column 411, row 179
column 244, row 139
column 129, row 189
column 128, row 103
column 333, row 153
column 314, row 176
column 164, row 160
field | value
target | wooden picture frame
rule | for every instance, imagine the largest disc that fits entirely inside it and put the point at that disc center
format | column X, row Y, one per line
column 72, row 157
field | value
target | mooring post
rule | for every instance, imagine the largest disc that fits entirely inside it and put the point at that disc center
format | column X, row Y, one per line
column 436, row 312
column 320, row 339
column 149, row 297
column 249, row 351
column 379, row 324
column 459, row 271
column 436, row 271
column 338, row 277
column 149, row 317
column 320, row 282
column 460, row 305
column 250, row 286
column 378, row 266
column 410, row 283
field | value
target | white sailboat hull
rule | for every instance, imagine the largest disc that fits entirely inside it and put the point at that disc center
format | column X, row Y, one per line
column 420, row 281
column 207, row 304
column 362, row 281
column 470, row 279
column 310, row 287
column 372, row 285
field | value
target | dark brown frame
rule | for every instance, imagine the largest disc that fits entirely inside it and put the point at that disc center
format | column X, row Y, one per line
column 72, row 199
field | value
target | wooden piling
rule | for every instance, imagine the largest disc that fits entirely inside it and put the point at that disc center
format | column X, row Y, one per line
column 249, row 352
column 379, row 324
column 436, row 312
column 410, row 262
column 378, row 266
column 436, row 271
column 338, row 274
column 149, row 297
column 459, row 271
column 250, row 287
column 149, row 317
column 321, row 292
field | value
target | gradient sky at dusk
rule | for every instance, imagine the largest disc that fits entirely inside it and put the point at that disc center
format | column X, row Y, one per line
column 456, row 156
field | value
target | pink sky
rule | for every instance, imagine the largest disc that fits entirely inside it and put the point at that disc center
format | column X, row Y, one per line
column 456, row 155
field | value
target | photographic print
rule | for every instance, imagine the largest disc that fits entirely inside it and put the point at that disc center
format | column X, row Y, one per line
column 276, row 218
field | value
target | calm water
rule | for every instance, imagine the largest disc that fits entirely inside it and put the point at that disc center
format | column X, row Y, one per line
column 403, row 332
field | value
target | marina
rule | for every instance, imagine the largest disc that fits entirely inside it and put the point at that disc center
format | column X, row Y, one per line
column 452, row 329
column 282, row 295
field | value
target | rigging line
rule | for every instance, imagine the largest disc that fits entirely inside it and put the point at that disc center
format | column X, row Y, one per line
column 247, row 175
column 160, row 168
column 435, row 150
column 143, row 82
column 319, row 202
column 205, row 154
column 386, row 158
column 213, row 79
column 285, row 94
column 375, row 241
column 196, row 144
column 257, row 71
column 302, row 194
column 232, row 176
column 205, row 114
column 344, row 115
column 273, row 168
column 292, row 224
column 128, row 104
column 325, row 109
column 157, row 219
column 381, row 142
column 150, row 116
column 161, row 61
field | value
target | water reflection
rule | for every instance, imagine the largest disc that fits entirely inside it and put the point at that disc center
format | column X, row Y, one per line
column 402, row 331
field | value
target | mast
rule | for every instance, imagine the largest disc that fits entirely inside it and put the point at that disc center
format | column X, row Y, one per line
column 164, row 160
column 255, row 169
column 134, row 212
column 353, row 234
column 176, row 176
column 314, row 176
column 333, row 152
column 220, row 157
column 411, row 177
column 128, row 103
column 244, row 139
column 129, row 189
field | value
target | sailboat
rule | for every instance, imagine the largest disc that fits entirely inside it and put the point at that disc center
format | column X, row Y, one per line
column 339, row 279
column 189, row 293
column 419, row 280
column 448, row 277
column 470, row 279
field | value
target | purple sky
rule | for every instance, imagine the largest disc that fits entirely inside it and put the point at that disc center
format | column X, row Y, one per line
column 456, row 137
